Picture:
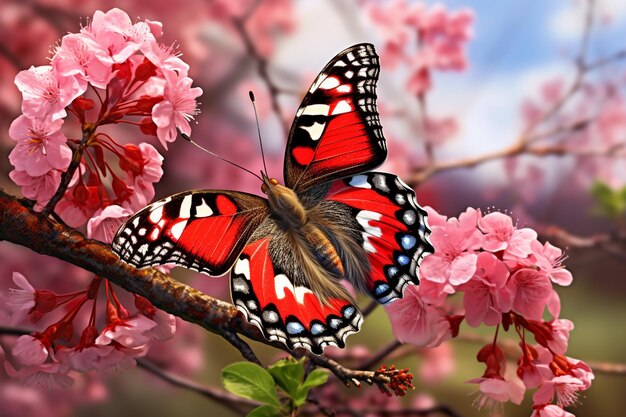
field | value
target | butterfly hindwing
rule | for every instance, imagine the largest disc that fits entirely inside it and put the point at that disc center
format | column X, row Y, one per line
column 337, row 131
column 202, row 230
column 268, row 285
column 392, row 226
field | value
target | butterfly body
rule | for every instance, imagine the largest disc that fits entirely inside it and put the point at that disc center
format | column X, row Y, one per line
column 331, row 221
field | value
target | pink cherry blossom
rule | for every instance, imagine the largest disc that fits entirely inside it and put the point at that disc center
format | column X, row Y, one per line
column 434, row 218
column 116, row 33
column 105, row 223
column 500, row 235
column 532, row 290
column 582, row 371
column 550, row 410
column 80, row 55
column 177, row 108
column 486, row 294
column 40, row 188
column 165, row 57
column 416, row 322
column 30, row 351
column 496, row 391
column 560, row 329
column 565, row 388
column 128, row 333
column 41, row 146
column 165, row 327
column 549, row 258
column 533, row 365
column 45, row 375
column 455, row 257
column 22, row 300
column 46, row 93
column 74, row 211
column 107, row 359
column 143, row 171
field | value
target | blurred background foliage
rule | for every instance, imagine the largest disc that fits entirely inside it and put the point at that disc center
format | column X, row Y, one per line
column 522, row 58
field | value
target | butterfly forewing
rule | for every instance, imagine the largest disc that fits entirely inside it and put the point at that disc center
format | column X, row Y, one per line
column 269, row 286
column 392, row 226
column 337, row 131
column 200, row 230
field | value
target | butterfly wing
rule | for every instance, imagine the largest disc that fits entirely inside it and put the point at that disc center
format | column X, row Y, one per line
column 269, row 286
column 384, row 219
column 337, row 131
column 200, row 230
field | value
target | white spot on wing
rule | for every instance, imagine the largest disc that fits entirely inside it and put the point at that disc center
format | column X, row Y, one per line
column 185, row 207
column 243, row 267
column 316, row 110
column 156, row 215
column 329, row 83
column 203, row 210
column 342, row 107
column 316, row 84
column 281, row 282
column 315, row 131
column 177, row 229
column 344, row 88
column 364, row 217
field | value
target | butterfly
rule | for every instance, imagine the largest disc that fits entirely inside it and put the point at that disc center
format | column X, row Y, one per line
column 331, row 221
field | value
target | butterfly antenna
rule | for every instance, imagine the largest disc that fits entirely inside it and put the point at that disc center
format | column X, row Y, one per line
column 188, row 139
column 258, row 129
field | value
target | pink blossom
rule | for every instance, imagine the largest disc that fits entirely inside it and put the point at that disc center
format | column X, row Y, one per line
column 40, row 188
column 107, row 359
column 434, row 218
column 165, row 326
column 496, row 391
column 549, row 258
column 550, row 410
column 45, row 375
column 41, row 146
column 165, row 57
column 22, row 300
column 79, row 55
column 533, row 365
column 177, row 108
column 486, row 294
column 500, row 235
column 144, row 168
column 128, row 333
column 532, row 291
column 30, row 351
column 416, row 322
column 116, row 33
column 437, row 131
column 582, row 371
column 560, row 329
column 391, row 20
column 46, row 93
column 565, row 388
column 75, row 208
column 455, row 257
column 105, row 223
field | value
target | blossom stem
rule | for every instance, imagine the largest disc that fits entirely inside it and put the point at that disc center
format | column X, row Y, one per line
column 66, row 178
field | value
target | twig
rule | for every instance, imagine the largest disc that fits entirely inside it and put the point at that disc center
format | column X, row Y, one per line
column 262, row 66
column 66, row 178
column 405, row 412
column 382, row 354
column 231, row 401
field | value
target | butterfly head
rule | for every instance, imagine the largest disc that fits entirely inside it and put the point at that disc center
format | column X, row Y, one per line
column 284, row 202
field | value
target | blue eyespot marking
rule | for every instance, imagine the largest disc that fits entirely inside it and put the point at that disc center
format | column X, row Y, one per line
column 408, row 241
column 294, row 327
column 403, row 260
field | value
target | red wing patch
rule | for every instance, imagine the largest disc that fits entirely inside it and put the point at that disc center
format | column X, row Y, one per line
column 393, row 228
column 337, row 129
column 287, row 312
column 200, row 230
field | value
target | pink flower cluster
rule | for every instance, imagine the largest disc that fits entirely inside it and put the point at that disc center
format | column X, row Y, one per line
column 112, row 72
column 46, row 358
column 441, row 37
column 506, row 277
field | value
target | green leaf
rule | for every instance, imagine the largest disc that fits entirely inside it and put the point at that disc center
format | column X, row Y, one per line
column 265, row 411
column 316, row 378
column 612, row 202
column 249, row 380
column 288, row 374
